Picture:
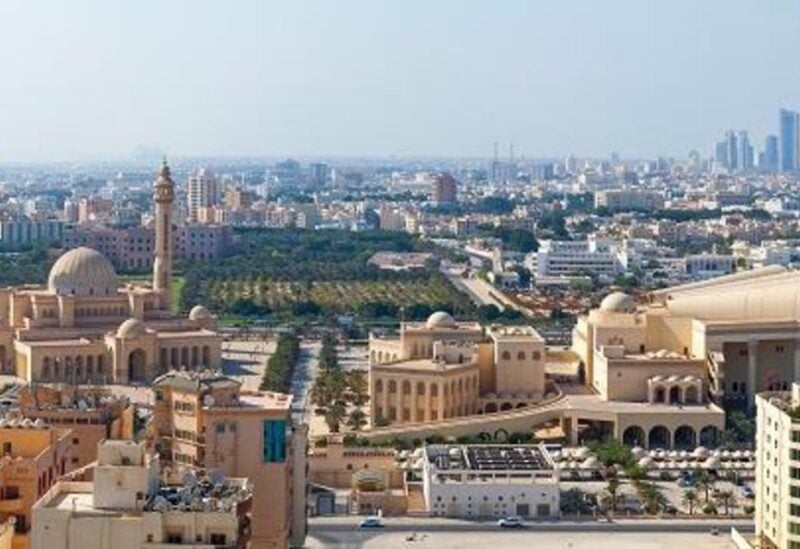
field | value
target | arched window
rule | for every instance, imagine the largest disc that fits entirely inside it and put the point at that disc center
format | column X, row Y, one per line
column 392, row 386
column 521, row 355
column 379, row 386
column 506, row 355
column 406, row 387
column 434, row 390
column 420, row 388
column 536, row 355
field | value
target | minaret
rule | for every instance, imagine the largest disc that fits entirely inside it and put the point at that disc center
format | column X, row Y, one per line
column 164, row 196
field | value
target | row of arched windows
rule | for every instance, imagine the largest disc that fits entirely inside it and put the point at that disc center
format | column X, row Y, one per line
column 535, row 355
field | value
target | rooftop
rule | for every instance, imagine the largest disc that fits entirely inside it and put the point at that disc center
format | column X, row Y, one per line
column 488, row 458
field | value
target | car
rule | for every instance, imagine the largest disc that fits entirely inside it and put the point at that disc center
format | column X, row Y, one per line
column 371, row 522
column 714, row 531
column 511, row 522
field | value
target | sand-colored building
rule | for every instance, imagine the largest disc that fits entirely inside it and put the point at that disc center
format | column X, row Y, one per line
column 778, row 468
column 128, row 507
column 85, row 327
column 730, row 337
column 32, row 457
column 205, row 421
column 91, row 414
column 442, row 369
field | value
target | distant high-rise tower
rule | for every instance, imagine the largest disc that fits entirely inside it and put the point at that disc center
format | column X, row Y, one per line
column 445, row 189
column 164, row 197
column 789, row 150
column 771, row 154
column 202, row 191
column 721, row 156
column 732, row 145
column 745, row 152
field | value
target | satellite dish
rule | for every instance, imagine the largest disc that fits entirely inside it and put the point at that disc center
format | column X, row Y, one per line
column 217, row 477
column 208, row 400
column 160, row 504
column 189, row 479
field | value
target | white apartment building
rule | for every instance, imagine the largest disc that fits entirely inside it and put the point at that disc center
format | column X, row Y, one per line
column 490, row 481
column 127, row 507
column 778, row 468
column 629, row 199
column 202, row 191
column 567, row 258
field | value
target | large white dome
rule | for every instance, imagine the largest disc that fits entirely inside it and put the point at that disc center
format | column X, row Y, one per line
column 618, row 302
column 83, row 272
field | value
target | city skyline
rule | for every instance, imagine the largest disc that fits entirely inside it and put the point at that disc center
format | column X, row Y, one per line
column 446, row 80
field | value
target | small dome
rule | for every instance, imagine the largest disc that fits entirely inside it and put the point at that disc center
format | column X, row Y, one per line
column 83, row 272
column 440, row 319
column 199, row 312
column 131, row 328
column 618, row 302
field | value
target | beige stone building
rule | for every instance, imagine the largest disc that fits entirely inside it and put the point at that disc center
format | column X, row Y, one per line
column 127, row 506
column 90, row 413
column 32, row 457
column 442, row 369
column 84, row 327
column 206, row 422
column 729, row 337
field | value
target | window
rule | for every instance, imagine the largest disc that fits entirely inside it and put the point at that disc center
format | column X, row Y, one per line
column 217, row 539
column 7, row 448
column 274, row 448
column 521, row 355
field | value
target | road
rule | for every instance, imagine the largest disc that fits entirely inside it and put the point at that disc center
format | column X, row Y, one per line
column 479, row 290
column 305, row 373
column 343, row 532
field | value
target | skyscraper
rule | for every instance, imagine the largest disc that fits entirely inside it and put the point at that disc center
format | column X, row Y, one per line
column 789, row 124
column 771, row 154
column 733, row 150
column 745, row 152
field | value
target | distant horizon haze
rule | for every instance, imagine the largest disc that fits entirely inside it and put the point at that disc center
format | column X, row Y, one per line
column 93, row 80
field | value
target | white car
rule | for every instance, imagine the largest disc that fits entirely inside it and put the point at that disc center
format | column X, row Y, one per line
column 370, row 522
column 511, row 522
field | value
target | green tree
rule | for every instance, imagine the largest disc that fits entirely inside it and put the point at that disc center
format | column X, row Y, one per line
column 357, row 419
column 725, row 498
column 690, row 499
column 612, row 489
column 705, row 483
column 328, row 397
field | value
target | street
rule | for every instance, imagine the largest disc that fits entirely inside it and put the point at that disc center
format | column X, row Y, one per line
column 435, row 532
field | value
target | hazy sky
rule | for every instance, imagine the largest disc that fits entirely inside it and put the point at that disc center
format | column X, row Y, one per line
column 86, row 79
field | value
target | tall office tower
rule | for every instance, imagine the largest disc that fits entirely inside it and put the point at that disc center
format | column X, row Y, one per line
column 445, row 189
column 789, row 124
column 721, row 156
column 771, row 154
column 319, row 174
column 733, row 150
column 745, row 152
column 203, row 191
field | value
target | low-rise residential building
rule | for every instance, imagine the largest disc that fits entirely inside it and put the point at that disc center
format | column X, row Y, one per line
column 91, row 413
column 127, row 506
column 473, row 481
column 205, row 421
column 32, row 457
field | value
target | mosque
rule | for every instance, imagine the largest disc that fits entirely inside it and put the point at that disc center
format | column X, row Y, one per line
column 84, row 327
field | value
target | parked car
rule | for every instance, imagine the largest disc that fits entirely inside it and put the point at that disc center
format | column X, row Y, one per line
column 511, row 522
column 370, row 522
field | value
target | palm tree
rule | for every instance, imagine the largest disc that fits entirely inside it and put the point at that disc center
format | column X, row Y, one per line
column 612, row 487
column 357, row 419
column 690, row 498
column 726, row 498
column 705, row 483
column 328, row 396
